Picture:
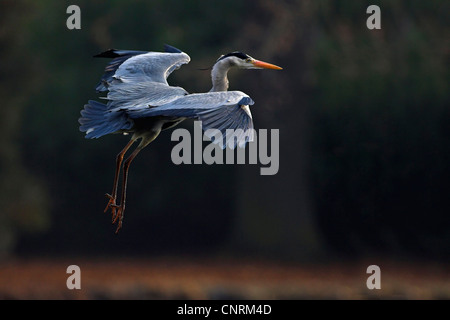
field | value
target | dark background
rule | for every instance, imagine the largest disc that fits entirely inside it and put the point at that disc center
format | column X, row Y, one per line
column 363, row 118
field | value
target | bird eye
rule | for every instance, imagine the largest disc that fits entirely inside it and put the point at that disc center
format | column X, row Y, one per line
column 248, row 60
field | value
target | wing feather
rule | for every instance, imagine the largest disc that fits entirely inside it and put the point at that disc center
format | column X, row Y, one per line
column 216, row 110
column 140, row 78
column 150, row 66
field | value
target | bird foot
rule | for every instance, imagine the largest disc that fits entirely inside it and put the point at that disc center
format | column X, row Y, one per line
column 117, row 215
column 116, row 211
column 111, row 203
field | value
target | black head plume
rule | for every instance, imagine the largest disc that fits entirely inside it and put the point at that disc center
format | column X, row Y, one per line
column 238, row 54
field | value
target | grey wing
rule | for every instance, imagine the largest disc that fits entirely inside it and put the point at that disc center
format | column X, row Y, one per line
column 134, row 80
column 141, row 81
column 119, row 57
column 225, row 116
column 151, row 66
column 141, row 95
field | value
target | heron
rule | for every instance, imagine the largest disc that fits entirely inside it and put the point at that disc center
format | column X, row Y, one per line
column 140, row 102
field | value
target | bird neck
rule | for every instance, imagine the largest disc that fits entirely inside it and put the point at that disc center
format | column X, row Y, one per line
column 219, row 76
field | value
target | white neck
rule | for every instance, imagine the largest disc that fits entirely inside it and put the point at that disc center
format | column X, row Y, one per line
column 219, row 75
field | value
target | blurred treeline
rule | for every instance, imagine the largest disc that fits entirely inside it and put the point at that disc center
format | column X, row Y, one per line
column 363, row 118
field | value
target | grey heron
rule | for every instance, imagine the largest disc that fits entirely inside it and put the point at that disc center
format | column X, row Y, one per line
column 140, row 102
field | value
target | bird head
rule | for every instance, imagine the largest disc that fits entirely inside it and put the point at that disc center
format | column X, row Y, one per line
column 244, row 61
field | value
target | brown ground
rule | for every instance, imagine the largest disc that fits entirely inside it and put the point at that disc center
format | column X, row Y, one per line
column 200, row 279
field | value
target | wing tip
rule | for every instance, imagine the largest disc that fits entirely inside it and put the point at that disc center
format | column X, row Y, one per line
column 246, row 101
column 171, row 49
column 110, row 53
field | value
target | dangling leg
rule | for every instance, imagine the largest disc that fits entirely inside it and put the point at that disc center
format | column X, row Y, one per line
column 118, row 215
column 121, row 208
column 112, row 197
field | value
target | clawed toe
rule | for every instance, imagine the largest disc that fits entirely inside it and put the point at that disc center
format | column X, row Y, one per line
column 119, row 226
column 116, row 211
column 118, row 217
column 111, row 202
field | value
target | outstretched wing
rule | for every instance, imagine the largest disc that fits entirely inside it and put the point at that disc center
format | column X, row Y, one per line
column 164, row 66
column 119, row 57
column 136, row 79
column 150, row 66
column 227, row 113
column 133, row 80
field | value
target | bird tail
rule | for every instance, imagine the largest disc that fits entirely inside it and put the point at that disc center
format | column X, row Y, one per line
column 98, row 120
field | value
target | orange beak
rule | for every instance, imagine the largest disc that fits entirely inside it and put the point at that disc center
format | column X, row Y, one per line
column 265, row 65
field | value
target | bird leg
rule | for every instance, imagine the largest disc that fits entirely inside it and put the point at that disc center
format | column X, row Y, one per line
column 112, row 197
column 118, row 210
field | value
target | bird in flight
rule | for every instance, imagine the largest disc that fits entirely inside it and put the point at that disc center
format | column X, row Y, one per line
column 140, row 102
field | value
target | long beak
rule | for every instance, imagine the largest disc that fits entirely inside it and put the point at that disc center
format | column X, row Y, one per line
column 265, row 65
